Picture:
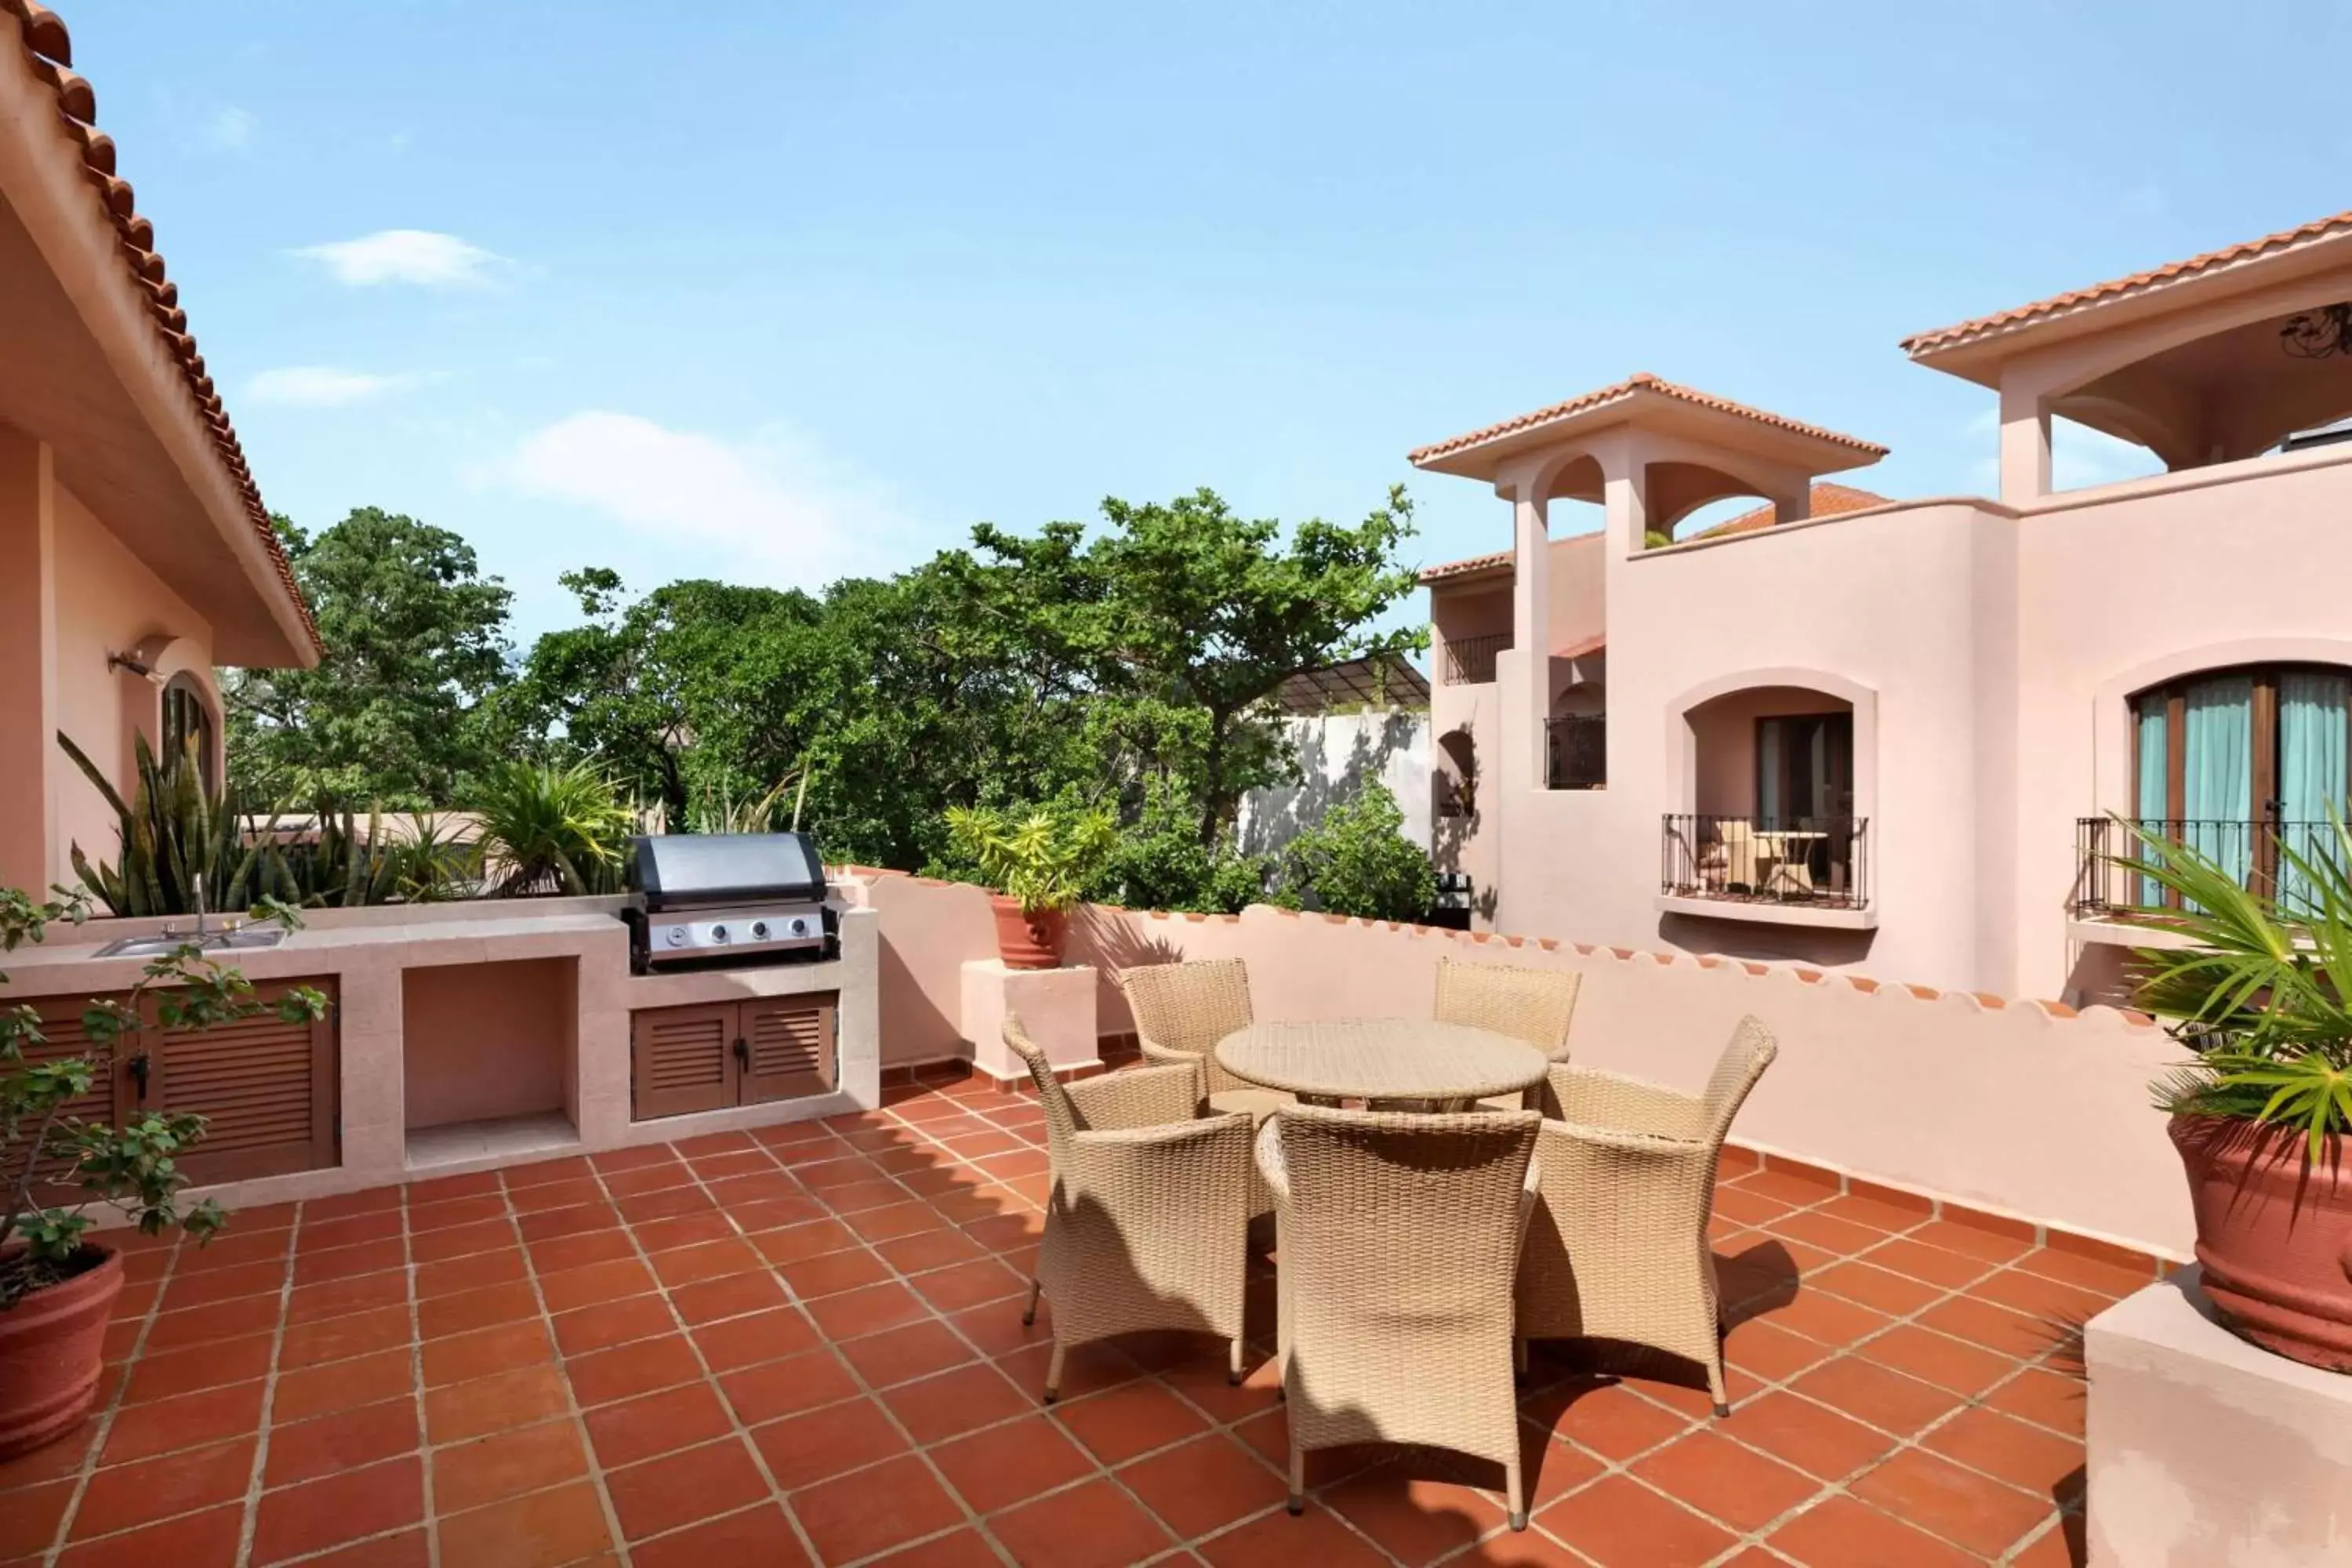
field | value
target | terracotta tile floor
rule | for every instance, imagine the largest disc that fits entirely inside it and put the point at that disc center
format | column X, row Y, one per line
column 805, row 1345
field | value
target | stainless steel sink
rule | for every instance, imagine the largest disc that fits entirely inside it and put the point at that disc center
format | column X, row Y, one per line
column 211, row 941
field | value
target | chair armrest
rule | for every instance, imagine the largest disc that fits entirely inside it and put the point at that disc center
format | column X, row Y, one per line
column 1193, row 1166
column 1268, row 1157
column 1140, row 1097
column 1607, row 1099
column 1654, row 1146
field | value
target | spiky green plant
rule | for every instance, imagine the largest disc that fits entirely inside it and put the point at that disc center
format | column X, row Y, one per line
column 720, row 810
column 171, row 832
column 1043, row 858
column 2262, row 993
column 551, row 828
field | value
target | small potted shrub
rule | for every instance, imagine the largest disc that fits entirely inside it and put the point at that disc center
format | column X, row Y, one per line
column 56, row 1283
column 1036, row 865
column 2262, row 1114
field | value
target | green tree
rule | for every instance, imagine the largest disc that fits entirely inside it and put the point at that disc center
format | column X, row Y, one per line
column 1210, row 613
column 394, row 711
column 1357, row 861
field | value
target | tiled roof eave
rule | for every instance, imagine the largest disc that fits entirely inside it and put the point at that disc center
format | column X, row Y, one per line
column 1626, row 391
column 2138, row 285
column 49, row 47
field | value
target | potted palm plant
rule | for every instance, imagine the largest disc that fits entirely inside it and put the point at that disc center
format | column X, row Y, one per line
column 1037, row 865
column 56, row 1283
column 2260, row 987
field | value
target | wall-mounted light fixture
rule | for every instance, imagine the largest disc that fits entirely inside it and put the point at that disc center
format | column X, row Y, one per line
column 135, row 664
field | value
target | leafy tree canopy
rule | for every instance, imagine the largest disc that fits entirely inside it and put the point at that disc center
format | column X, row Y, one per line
column 1124, row 666
column 415, row 638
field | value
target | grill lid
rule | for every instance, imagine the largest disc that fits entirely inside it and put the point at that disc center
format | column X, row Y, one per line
column 697, row 871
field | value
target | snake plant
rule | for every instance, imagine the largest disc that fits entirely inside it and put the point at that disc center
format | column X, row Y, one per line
column 172, row 832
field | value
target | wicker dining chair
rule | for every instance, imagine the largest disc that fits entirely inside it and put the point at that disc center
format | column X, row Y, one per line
column 1617, row 1247
column 1183, row 1010
column 1531, row 1005
column 1398, row 1237
column 1146, row 1222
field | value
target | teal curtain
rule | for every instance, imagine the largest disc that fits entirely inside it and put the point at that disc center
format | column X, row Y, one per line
column 2151, row 806
column 2217, row 785
column 2312, row 785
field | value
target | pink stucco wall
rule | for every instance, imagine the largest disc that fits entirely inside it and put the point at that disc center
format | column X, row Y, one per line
column 2031, row 1110
column 1988, row 652
column 109, row 602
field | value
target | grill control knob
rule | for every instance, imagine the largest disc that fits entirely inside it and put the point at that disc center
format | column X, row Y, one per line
column 719, row 933
column 675, row 936
column 800, row 928
column 759, row 931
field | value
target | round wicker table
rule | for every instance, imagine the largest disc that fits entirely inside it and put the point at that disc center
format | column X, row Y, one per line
column 1378, row 1059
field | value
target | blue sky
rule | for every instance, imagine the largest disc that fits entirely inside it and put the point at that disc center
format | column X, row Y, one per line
column 777, row 293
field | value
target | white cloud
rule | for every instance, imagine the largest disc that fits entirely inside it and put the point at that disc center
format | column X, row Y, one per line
column 771, row 503
column 406, row 256
column 231, row 129
column 324, row 387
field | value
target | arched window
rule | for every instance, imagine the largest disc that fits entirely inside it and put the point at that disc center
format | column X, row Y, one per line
column 2236, row 761
column 188, row 716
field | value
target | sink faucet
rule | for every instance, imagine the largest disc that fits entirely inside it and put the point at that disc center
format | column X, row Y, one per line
column 199, row 881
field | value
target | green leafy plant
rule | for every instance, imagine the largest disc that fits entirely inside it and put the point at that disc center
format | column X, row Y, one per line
column 1042, row 857
column 1160, row 862
column 1357, row 861
column 132, row 1168
column 719, row 810
column 2260, row 995
column 339, row 864
column 172, row 832
column 551, row 828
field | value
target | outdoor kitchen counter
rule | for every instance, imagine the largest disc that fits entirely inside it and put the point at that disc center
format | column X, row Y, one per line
column 372, row 957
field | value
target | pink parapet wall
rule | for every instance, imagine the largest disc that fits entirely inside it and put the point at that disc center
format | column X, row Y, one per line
column 2022, row 1108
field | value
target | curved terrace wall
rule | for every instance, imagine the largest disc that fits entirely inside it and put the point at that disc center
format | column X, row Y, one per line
column 2028, row 1109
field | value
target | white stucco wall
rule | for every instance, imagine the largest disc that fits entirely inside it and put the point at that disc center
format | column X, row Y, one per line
column 1336, row 754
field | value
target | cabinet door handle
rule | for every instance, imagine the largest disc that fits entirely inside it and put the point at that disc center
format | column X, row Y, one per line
column 140, row 1067
column 742, row 1051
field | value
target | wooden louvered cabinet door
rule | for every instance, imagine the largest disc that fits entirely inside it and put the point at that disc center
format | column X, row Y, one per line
column 682, row 1059
column 708, row 1057
column 787, row 1047
column 61, row 1024
column 266, row 1089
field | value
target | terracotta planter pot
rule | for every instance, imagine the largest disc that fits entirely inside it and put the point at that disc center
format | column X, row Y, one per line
column 49, row 1356
column 2274, row 1234
column 1028, row 942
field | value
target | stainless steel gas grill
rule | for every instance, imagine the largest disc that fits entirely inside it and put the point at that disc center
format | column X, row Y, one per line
column 728, row 898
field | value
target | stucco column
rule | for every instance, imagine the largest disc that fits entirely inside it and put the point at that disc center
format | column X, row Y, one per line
column 2024, row 445
column 29, row 661
column 1523, row 693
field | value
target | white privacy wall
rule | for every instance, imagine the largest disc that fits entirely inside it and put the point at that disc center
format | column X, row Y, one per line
column 1336, row 754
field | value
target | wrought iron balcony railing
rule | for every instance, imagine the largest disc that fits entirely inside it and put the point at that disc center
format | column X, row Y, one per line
column 1470, row 661
column 2105, row 885
column 1821, row 862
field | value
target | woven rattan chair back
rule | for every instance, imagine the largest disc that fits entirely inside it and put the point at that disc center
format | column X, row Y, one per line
column 1750, row 1050
column 1617, row 1249
column 1399, row 1240
column 1183, row 1010
column 1062, row 1118
column 1531, row 1005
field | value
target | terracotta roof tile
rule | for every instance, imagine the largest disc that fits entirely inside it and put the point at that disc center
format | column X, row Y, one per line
column 51, row 48
column 1640, row 382
column 1444, row 570
column 1829, row 500
column 1584, row 648
column 1943, row 338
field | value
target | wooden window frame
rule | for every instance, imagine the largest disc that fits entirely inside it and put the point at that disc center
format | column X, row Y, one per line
column 2263, row 742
